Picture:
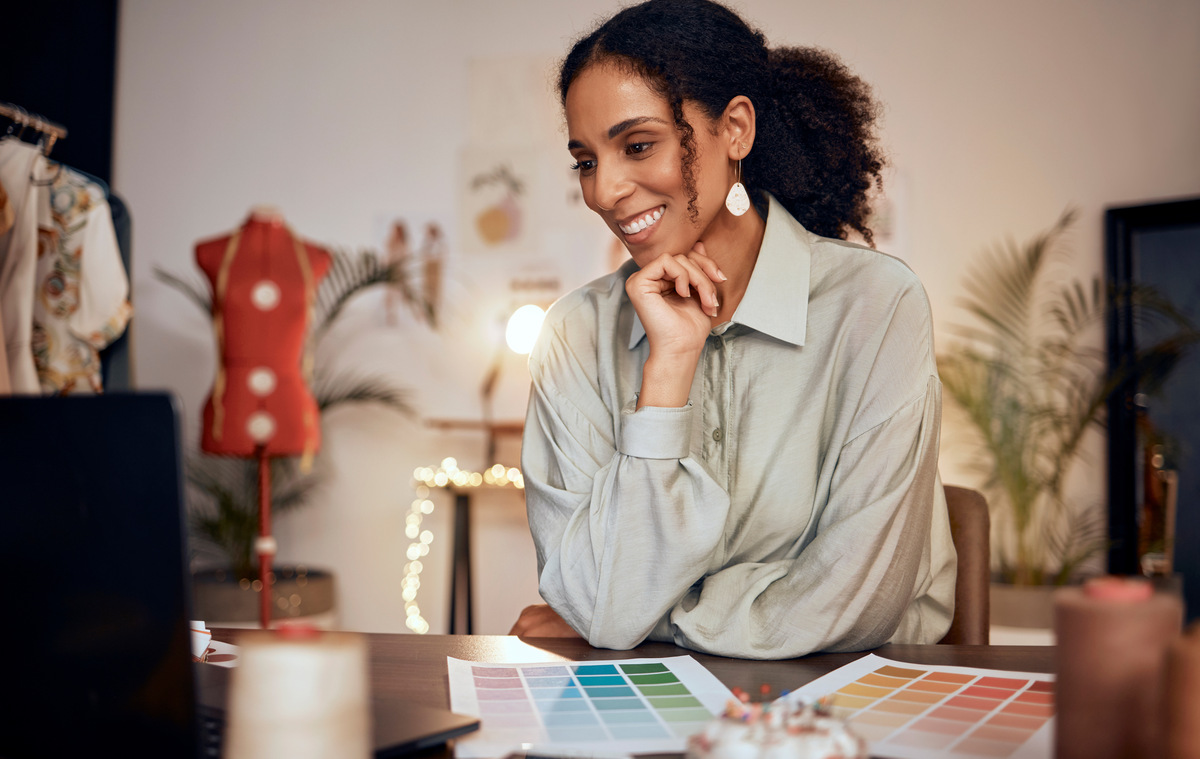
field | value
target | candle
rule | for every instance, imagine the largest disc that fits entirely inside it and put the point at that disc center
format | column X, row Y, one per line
column 1112, row 635
column 1183, row 696
column 300, row 694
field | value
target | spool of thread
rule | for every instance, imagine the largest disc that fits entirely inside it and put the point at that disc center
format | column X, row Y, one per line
column 299, row 694
column 1112, row 636
column 1183, row 696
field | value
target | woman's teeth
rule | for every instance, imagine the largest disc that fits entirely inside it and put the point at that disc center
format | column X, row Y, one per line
column 637, row 225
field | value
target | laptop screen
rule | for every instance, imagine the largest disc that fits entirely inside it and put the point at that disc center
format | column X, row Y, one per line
column 94, row 607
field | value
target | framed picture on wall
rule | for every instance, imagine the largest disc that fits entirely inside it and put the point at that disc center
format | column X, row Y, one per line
column 1154, row 433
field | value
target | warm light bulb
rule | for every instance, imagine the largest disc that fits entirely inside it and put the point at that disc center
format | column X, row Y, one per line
column 523, row 327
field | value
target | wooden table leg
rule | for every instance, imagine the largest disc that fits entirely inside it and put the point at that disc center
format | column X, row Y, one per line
column 461, row 622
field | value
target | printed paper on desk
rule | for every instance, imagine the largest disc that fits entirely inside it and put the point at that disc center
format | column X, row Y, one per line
column 922, row 711
column 621, row 705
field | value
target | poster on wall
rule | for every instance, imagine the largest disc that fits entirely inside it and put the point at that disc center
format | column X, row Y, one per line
column 515, row 164
column 496, row 189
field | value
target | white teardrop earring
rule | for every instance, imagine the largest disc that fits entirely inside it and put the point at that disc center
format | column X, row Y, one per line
column 737, row 201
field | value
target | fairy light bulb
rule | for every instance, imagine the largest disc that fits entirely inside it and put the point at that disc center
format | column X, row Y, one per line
column 446, row 475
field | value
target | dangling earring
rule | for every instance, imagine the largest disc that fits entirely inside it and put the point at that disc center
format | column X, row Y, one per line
column 737, row 201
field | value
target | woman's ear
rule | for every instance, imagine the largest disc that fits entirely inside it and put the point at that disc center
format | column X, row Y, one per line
column 739, row 123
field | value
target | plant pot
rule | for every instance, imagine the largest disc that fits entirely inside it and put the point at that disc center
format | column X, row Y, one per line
column 220, row 599
column 1030, row 606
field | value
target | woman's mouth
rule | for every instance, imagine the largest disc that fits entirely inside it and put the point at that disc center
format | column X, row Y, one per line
column 643, row 222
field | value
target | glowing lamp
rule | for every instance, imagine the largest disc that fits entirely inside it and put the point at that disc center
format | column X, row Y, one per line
column 523, row 327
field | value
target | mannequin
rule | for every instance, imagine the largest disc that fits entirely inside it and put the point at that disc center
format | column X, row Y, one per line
column 264, row 282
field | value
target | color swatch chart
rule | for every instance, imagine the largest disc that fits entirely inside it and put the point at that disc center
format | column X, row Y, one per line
column 644, row 705
column 914, row 711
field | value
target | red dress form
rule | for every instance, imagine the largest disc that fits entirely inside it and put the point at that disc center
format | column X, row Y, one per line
column 264, row 282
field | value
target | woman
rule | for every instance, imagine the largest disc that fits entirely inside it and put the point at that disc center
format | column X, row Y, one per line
column 732, row 440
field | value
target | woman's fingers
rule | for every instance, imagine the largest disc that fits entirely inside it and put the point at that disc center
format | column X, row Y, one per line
column 685, row 273
column 540, row 621
column 712, row 274
column 699, row 254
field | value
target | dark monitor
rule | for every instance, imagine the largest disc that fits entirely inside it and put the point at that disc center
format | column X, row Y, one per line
column 94, row 606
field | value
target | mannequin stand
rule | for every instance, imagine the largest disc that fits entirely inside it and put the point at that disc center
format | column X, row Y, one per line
column 265, row 545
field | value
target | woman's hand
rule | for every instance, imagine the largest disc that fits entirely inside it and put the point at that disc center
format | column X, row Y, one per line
column 675, row 297
column 540, row 621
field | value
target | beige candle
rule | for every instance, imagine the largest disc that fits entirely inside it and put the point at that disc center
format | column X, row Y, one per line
column 1183, row 696
column 1112, row 636
column 299, row 695
column 1111, row 639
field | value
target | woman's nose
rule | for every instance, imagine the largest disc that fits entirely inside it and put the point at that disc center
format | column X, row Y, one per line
column 611, row 185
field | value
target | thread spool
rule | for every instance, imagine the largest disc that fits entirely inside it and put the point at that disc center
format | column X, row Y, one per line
column 299, row 694
column 1183, row 696
column 1112, row 636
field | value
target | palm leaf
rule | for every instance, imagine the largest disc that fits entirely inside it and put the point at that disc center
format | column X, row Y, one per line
column 348, row 276
column 352, row 387
column 196, row 292
column 1032, row 385
column 224, row 500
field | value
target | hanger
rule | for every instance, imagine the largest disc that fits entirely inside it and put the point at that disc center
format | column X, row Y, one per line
column 50, row 132
column 17, row 117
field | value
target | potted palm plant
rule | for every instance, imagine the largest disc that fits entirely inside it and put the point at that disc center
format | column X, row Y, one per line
column 223, row 491
column 1032, row 383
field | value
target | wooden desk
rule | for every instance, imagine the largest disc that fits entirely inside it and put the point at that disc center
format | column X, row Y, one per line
column 412, row 668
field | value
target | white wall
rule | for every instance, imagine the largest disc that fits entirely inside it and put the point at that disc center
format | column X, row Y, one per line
column 998, row 116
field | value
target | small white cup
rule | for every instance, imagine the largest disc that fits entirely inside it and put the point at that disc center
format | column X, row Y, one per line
column 201, row 637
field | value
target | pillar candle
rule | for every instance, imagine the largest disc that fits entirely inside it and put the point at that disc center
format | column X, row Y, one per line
column 1183, row 696
column 299, row 694
column 1112, row 635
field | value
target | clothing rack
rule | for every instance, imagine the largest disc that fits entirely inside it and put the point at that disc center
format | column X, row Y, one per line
column 49, row 129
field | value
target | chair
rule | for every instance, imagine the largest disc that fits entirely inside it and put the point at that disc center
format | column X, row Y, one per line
column 969, row 529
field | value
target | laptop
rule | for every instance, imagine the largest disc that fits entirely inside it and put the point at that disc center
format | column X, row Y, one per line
column 95, row 596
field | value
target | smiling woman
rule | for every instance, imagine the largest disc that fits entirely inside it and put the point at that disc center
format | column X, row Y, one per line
column 732, row 440
column 629, row 155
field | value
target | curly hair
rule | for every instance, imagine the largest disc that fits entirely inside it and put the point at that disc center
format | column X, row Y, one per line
column 816, row 149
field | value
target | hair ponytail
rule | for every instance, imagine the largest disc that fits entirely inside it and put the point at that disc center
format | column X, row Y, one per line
column 816, row 149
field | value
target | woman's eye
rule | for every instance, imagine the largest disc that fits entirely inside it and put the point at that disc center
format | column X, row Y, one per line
column 584, row 167
column 638, row 147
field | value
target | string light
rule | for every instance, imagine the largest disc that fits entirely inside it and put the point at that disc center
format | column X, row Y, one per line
column 446, row 475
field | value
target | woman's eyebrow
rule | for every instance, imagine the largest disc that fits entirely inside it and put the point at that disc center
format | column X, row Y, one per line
column 628, row 124
column 623, row 126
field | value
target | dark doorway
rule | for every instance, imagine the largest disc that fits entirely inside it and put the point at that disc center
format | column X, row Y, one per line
column 1154, row 438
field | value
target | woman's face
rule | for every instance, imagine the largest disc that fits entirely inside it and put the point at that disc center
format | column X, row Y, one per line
column 628, row 154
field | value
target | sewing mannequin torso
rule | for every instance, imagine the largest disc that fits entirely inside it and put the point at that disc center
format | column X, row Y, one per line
column 263, row 281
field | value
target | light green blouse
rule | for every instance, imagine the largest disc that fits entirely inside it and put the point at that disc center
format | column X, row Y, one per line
column 793, row 505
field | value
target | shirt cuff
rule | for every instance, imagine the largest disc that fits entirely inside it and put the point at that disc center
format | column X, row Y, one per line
column 653, row 432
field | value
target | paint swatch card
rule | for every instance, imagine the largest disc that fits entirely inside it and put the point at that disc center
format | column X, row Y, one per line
column 643, row 705
column 920, row 711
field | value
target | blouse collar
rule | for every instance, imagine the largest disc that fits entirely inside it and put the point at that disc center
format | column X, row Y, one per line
column 776, row 298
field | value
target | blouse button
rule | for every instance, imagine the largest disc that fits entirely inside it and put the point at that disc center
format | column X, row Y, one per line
column 717, row 435
column 265, row 295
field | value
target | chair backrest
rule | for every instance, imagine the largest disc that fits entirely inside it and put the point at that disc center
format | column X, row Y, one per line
column 969, row 529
